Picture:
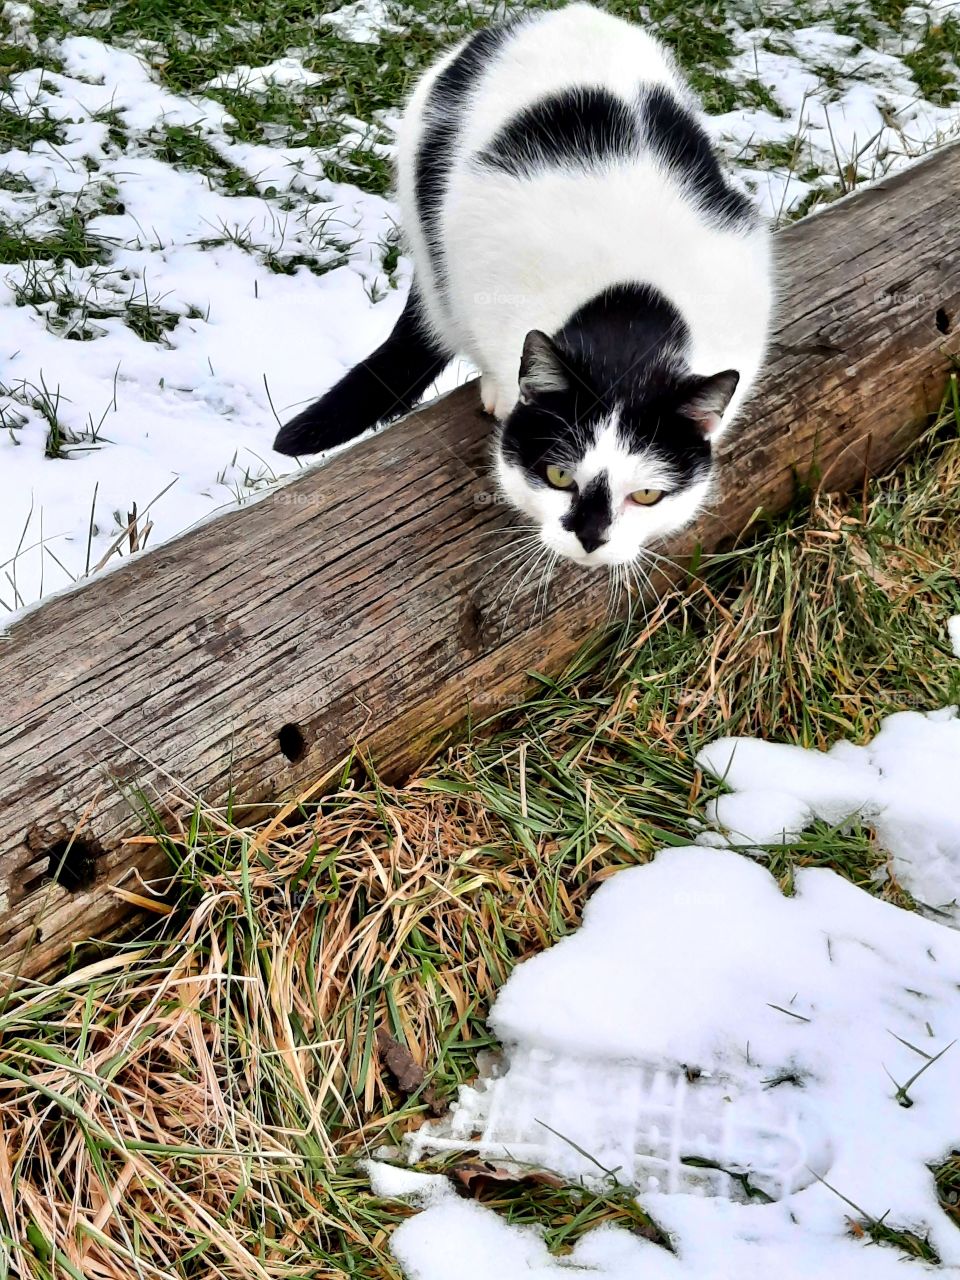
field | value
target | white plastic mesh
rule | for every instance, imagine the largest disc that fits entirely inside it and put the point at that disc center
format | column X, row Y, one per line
column 648, row 1127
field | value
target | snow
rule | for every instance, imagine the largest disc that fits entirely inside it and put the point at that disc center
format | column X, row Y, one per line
column 19, row 18
column 876, row 121
column 463, row 1240
column 193, row 409
column 807, row 1041
column 285, row 72
column 902, row 783
column 361, row 21
column 953, row 631
column 391, row 1181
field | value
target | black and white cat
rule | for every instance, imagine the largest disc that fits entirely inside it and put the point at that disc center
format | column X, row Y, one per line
column 573, row 235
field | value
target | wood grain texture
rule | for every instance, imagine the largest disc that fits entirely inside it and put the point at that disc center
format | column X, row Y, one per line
column 361, row 603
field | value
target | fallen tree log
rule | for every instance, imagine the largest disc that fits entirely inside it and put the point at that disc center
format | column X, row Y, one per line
column 357, row 606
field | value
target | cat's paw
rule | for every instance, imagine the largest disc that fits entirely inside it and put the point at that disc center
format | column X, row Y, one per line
column 488, row 394
column 504, row 405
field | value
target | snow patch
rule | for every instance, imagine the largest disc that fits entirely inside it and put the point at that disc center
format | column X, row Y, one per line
column 902, row 783
column 393, row 1182
column 363, row 21
column 284, row 73
column 804, row 1008
column 713, row 1241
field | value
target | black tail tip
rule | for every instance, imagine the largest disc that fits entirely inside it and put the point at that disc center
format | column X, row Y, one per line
column 302, row 434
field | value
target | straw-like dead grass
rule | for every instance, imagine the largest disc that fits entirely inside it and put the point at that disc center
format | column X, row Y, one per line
column 193, row 1104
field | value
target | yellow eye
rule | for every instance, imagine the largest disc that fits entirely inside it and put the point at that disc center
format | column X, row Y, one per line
column 559, row 478
column 646, row 497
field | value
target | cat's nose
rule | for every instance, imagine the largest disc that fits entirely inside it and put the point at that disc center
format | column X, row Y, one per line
column 590, row 540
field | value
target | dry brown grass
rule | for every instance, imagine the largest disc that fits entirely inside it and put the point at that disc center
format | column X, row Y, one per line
column 193, row 1104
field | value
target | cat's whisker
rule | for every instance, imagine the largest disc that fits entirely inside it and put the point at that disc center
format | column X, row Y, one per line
column 509, row 528
column 644, row 588
column 625, row 589
column 523, row 559
column 519, row 577
column 525, row 579
column 512, row 535
column 526, row 540
column 544, row 584
column 622, row 592
column 675, row 565
column 612, row 593
column 514, row 560
column 511, row 563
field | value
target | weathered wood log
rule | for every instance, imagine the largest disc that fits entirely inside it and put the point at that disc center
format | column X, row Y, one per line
column 360, row 604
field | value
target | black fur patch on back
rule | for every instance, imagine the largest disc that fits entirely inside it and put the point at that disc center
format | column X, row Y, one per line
column 678, row 139
column 586, row 126
column 445, row 106
column 577, row 127
column 625, row 353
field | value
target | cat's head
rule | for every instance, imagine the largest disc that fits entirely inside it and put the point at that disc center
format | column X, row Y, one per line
column 607, row 460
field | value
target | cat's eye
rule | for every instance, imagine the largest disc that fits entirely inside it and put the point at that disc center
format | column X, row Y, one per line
column 558, row 478
column 646, row 497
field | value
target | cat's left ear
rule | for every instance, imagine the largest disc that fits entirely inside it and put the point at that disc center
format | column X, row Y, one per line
column 704, row 400
column 542, row 369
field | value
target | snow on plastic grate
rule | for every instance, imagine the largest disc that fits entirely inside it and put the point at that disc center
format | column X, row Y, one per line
column 651, row 1128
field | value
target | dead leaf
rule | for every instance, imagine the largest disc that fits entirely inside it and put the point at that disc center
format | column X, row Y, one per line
column 476, row 1175
column 406, row 1071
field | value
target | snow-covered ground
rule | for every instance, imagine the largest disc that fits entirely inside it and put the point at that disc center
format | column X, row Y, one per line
column 901, row 783
column 146, row 373
column 701, row 1024
column 183, row 425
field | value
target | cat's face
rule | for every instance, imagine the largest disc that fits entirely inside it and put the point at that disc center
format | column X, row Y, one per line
column 605, row 472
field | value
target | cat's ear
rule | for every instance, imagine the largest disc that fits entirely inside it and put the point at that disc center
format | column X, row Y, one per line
column 542, row 369
column 704, row 400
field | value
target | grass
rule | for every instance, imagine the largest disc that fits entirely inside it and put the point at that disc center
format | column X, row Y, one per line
column 187, row 148
column 947, row 1178
column 199, row 1098
column 69, row 243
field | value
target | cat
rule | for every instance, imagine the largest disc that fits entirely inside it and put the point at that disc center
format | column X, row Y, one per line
column 573, row 235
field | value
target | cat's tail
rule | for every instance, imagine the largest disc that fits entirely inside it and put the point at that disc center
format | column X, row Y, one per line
column 385, row 385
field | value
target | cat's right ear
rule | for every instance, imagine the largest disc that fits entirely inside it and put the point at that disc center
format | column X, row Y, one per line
column 705, row 401
column 542, row 368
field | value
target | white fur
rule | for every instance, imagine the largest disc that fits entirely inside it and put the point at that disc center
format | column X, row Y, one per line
column 524, row 254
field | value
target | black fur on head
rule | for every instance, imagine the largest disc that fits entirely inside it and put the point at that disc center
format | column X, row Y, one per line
column 625, row 351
